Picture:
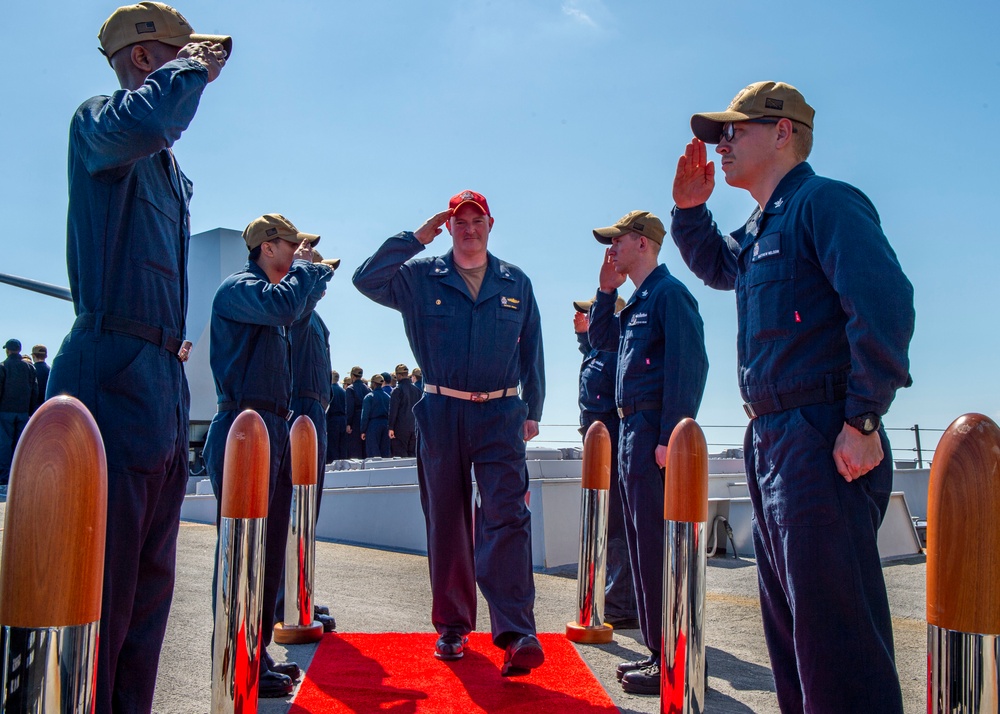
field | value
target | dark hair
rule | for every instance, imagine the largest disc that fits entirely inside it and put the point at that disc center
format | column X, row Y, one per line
column 255, row 254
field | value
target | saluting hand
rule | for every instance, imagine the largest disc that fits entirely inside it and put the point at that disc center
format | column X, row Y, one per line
column 695, row 177
column 610, row 279
column 432, row 227
column 580, row 322
column 304, row 252
column 211, row 54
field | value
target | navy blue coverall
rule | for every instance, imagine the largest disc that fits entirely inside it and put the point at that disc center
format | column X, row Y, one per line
column 825, row 320
column 490, row 344
column 662, row 370
column 311, row 392
column 18, row 398
column 336, row 424
column 42, row 377
column 375, row 424
column 251, row 363
column 356, row 393
column 597, row 403
column 401, row 421
column 127, row 246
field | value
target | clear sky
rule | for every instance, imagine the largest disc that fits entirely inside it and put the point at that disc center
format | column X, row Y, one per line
column 358, row 120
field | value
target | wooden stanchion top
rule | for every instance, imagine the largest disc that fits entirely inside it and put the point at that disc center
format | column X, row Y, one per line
column 597, row 457
column 963, row 540
column 246, row 469
column 52, row 570
column 305, row 460
column 685, row 490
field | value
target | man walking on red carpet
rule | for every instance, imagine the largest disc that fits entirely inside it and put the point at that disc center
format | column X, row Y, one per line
column 474, row 327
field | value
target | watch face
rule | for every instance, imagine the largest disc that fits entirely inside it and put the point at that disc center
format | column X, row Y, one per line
column 869, row 425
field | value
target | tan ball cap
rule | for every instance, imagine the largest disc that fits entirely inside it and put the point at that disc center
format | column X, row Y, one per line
column 585, row 305
column 641, row 222
column 331, row 263
column 271, row 226
column 152, row 21
column 760, row 99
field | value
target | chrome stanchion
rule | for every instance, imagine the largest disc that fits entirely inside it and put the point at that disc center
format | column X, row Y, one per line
column 589, row 626
column 52, row 570
column 240, row 583
column 685, row 512
column 963, row 560
column 299, row 627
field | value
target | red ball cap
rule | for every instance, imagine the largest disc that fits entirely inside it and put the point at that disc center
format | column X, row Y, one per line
column 476, row 199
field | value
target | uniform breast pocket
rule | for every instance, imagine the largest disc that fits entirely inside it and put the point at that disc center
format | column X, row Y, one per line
column 635, row 349
column 437, row 322
column 156, row 230
column 508, row 327
column 770, row 299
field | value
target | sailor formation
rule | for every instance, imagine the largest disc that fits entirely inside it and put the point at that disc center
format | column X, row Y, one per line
column 825, row 319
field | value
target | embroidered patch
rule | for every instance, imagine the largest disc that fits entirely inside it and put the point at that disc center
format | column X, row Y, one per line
column 639, row 318
column 142, row 28
column 771, row 103
column 510, row 303
column 767, row 246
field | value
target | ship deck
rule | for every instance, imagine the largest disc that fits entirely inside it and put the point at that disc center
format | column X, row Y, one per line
column 373, row 590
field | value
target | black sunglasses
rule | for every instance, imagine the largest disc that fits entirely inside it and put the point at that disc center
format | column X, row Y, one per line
column 729, row 131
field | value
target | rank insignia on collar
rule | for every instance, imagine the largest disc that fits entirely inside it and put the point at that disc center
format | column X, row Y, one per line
column 777, row 204
column 644, row 293
column 510, row 303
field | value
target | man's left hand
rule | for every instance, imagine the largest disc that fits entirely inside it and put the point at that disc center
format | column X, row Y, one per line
column 661, row 456
column 530, row 429
column 856, row 454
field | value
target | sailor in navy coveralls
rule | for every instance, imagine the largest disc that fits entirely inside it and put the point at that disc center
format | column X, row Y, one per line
column 473, row 325
column 598, row 374
column 662, row 369
column 825, row 320
column 127, row 241
column 251, row 356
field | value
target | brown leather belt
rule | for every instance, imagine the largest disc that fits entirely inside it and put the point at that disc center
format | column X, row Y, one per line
column 478, row 397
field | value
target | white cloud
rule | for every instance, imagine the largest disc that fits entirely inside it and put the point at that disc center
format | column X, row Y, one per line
column 572, row 9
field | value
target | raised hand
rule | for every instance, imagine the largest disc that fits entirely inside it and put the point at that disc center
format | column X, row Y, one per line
column 432, row 227
column 304, row 251
column 695, row 177
column 610, row 279
column 210, row 54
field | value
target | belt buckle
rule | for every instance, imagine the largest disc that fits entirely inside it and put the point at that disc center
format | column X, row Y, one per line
column 479, row 397
column 621, row 413
column 748, row 408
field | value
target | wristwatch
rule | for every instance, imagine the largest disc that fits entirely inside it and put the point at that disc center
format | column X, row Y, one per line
column 866, row 423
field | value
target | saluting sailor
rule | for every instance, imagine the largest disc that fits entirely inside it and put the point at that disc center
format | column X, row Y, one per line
column 473, row 325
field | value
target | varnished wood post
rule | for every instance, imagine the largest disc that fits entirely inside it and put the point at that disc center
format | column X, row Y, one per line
column 52, row 571
column 239, row 587
column 963, row 569
column 299, row 627
column 685, row 512
column 592, row 569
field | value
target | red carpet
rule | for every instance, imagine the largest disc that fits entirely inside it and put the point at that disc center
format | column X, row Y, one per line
column 393, row 672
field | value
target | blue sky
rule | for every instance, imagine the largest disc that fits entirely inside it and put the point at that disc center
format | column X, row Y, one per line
column 358, row 120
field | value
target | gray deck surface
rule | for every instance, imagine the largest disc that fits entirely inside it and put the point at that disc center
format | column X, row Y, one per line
column 378, row 591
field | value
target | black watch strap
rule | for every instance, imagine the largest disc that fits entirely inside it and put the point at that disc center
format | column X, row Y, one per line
column 866, row 423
